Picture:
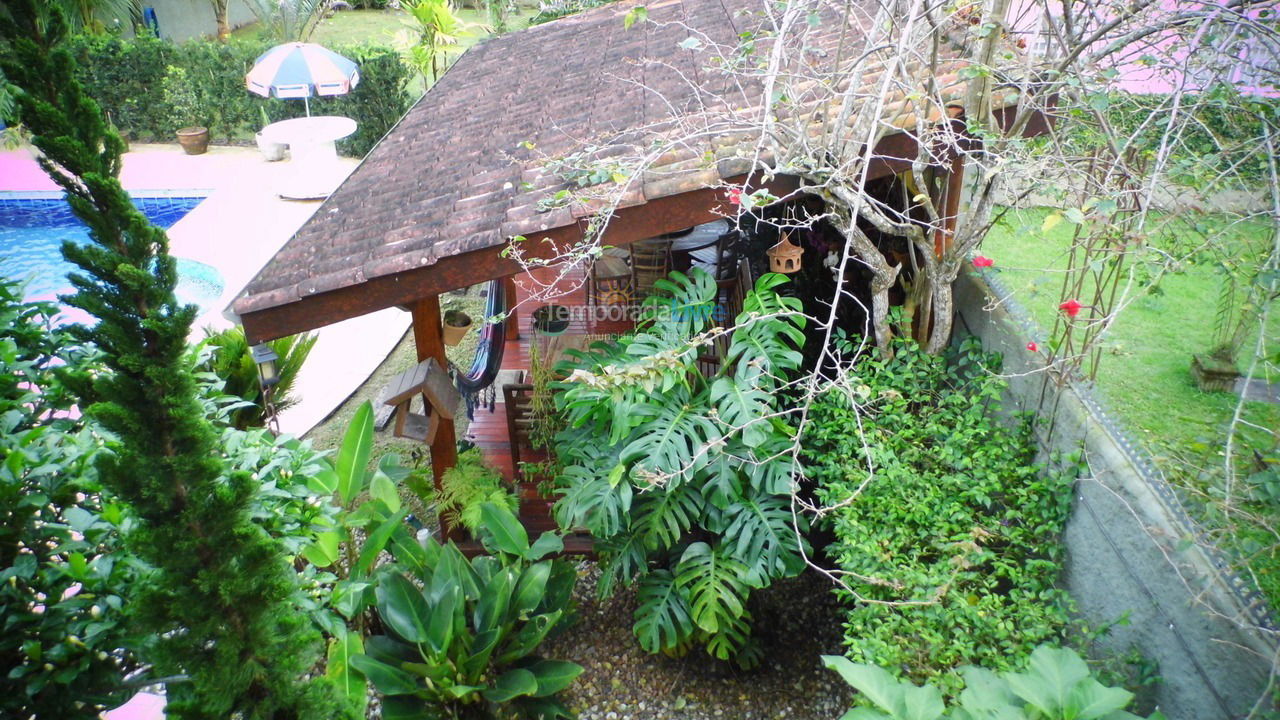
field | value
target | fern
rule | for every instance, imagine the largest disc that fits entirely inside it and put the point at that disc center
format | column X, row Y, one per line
column 468, row 485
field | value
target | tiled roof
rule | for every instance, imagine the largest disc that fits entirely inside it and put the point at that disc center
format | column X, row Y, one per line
column 466, row 167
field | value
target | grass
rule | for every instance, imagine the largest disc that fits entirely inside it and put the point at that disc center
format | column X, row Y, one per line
column 1144, row 371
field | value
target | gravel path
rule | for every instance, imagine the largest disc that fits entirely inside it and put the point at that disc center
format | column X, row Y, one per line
column 797, row 619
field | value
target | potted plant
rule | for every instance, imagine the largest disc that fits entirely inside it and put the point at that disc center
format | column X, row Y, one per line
column 456, row 325
column 1215, row 371
column 551, row 319
column 272, row 151
column 180, row 94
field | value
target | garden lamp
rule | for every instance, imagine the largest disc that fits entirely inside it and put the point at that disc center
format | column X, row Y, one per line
column 265, row 357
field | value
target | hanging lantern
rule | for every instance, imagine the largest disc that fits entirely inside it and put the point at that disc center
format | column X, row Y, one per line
column 785, row 256
column 265, row 358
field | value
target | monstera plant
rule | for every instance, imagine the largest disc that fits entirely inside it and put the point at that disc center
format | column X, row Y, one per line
column 461, row 634
column 683, row 475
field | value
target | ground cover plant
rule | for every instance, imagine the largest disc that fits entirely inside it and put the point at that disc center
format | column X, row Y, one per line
column 947, row 532
column 684, row 480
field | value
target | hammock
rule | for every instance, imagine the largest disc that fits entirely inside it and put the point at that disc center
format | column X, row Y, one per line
column 488, row 360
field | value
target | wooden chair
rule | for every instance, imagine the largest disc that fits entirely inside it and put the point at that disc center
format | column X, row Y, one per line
column 650, row 261
column 439, row 397
column 518, row 399
column 610, row 282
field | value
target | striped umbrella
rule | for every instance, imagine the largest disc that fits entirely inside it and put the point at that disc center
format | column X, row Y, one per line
column 300, row 70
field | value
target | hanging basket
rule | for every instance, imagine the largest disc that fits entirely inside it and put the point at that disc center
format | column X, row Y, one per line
column 551, row 319
column 456, row 326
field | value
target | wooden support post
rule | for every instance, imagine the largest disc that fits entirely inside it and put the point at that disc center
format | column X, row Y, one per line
column 429, row 340
column 513, row 322
column 943, row 238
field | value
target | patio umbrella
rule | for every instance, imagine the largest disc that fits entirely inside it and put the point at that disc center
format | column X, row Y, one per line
column 300, row 70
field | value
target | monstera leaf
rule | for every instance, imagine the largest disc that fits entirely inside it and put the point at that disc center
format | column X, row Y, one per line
column 663, row 619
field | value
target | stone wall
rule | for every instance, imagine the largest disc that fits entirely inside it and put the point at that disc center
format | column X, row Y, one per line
column 1131, row 546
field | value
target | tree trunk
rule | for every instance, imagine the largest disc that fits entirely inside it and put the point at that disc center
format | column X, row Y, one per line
column 943, row 316
column 220, row 16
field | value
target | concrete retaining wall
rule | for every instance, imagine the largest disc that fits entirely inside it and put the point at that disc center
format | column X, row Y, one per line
column 1128, row 539
column 185, row 19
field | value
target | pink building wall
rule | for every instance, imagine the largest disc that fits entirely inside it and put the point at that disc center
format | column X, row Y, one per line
column 1209, row 44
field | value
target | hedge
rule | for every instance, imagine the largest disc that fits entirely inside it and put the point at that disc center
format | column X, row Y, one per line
column 126, row 76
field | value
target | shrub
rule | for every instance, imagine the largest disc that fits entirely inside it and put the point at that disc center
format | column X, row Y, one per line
column 126, row 76
column 462, row 633
column 63, row 576
column 956, row 516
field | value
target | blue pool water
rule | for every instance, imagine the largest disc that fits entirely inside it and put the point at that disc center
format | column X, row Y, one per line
column 32, row 231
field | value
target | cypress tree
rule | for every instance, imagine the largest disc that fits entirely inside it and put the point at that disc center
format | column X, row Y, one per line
column 218, row 602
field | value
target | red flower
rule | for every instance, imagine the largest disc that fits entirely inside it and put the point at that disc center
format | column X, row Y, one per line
column 1071, row 308
column 735, row 196
column 980, row 262
column 1032, row 346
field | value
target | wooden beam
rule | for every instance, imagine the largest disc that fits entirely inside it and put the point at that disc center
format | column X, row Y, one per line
column 428, row 339
column 638, row 222
column 513, row 320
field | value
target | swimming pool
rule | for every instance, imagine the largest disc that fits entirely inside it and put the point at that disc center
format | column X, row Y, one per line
column 33, row 228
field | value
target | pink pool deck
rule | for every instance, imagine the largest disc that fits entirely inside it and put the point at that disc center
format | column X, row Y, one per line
column 237, row 229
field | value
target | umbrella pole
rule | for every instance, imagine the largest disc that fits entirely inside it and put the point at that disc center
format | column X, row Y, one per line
column 306, row 102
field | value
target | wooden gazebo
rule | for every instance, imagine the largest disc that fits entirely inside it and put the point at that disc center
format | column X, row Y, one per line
column 434, row 204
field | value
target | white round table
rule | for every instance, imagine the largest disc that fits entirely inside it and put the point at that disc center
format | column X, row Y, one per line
column 313, row 170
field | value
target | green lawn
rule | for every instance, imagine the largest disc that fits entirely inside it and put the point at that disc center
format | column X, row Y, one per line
column 1145, row 367
column 1144, row 373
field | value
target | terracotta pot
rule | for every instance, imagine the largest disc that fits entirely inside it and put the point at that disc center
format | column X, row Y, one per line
column 194, row 140
column 456, row 325
column 1213, row 375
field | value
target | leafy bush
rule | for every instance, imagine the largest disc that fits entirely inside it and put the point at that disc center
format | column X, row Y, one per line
column 1222, row 137
column 126, row 77
column 955, row 516
column 685, row 481
column 1056, row 686
column 462, row 633
column 63, row 576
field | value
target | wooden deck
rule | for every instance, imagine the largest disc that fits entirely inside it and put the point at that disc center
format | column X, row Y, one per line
column 488, row 430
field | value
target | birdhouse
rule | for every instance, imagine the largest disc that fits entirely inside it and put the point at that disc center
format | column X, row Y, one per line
column 785, row 256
